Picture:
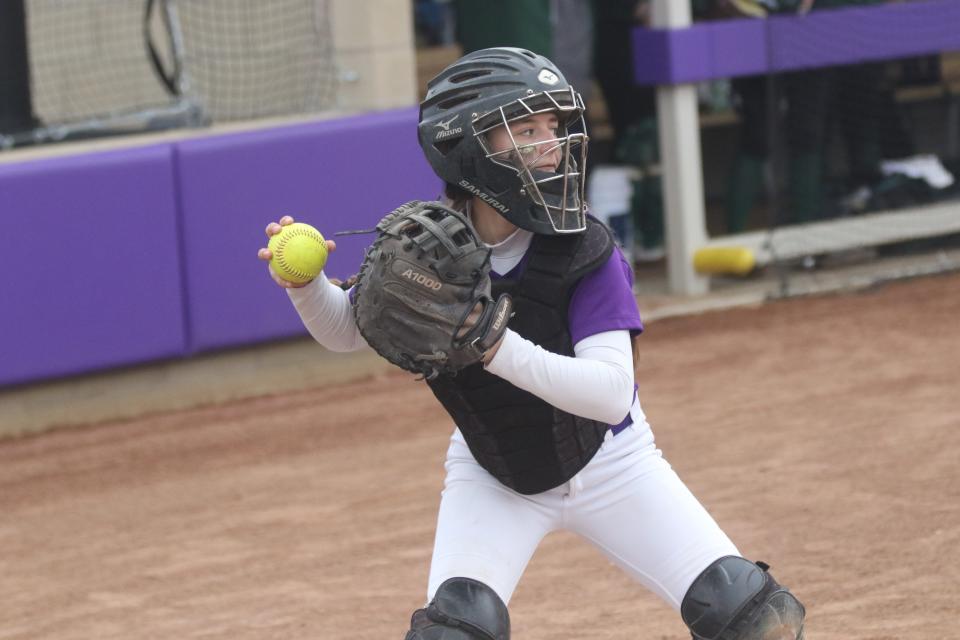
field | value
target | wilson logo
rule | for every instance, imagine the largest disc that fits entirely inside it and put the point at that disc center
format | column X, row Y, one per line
column 498, row 321
column 421, row 279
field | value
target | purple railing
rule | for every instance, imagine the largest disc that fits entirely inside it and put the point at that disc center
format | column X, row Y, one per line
column 726, row 48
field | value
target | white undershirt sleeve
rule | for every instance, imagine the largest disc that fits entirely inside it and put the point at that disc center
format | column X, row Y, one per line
column 596, row 384
column 325, row 311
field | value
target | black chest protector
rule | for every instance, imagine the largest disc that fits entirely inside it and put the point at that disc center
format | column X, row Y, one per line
column 524, row 442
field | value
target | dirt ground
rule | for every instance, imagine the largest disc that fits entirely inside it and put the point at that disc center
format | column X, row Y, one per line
column 822, row 433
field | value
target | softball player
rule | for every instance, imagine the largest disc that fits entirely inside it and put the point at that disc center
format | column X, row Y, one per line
column 549, row 432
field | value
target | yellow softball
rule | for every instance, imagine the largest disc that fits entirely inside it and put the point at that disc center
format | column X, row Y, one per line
column 299, row 253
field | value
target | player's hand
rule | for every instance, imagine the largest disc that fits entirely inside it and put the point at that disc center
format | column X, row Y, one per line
column 266, row 255
column 472, row 319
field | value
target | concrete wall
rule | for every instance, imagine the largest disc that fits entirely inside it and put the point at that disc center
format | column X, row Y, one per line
column 374, row 47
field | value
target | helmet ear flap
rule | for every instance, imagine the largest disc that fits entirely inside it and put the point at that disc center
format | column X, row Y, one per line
column 468, row 166
column 445, row 147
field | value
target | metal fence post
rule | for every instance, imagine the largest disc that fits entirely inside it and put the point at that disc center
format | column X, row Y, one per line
column 679, row 131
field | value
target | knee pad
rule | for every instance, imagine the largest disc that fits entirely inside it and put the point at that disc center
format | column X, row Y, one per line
column 735, row 599
column 462, row 609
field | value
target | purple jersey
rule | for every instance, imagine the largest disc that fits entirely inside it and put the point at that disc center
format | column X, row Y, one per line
column 602, row 301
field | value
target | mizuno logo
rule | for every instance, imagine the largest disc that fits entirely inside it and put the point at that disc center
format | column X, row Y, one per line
column 445, row 130
column 446, row 134
column 445, row 124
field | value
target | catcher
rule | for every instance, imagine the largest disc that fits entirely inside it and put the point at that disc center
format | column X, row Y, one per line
column 518, row 310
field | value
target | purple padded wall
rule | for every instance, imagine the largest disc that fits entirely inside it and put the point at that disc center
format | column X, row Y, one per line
column 134, row 255
column 90, row 263
column 335, row 174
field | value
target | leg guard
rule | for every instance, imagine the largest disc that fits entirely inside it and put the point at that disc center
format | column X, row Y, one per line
column 462, row 609
column 735, row 599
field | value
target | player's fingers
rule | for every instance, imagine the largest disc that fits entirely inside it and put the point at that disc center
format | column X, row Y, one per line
column 331, row 245
column 273, row 229
column 471, row 320
column 265, row 254
column 286, row 284
column 285, row 220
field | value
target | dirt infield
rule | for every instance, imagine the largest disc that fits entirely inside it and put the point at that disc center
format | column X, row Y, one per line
column 822, row 433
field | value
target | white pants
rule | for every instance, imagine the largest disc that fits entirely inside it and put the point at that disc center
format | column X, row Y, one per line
column 627, row 501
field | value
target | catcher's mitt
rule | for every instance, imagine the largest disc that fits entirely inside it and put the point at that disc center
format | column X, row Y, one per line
column 420, row 280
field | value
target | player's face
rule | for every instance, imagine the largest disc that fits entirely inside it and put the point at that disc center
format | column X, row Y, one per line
column 535, row 138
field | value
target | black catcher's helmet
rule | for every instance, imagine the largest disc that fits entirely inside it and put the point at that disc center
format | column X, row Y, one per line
column 490, row 88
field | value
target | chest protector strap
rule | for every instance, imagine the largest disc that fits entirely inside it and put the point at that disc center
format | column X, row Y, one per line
column 524, row 442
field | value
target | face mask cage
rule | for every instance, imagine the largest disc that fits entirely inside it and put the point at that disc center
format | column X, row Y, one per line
column 558, row 194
